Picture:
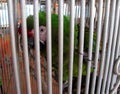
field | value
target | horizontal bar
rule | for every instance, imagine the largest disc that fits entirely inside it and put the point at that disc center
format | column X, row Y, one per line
column 49, row 45
column 37, row 45
column 112, row 17
column 92, row 16
column 81, row 44
column 105, row 36
column 60, row 34
column 25, row 46
column 14, row 53
column 72, row 16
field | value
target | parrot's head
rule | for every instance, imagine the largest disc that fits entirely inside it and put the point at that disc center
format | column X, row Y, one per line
column 42, row 34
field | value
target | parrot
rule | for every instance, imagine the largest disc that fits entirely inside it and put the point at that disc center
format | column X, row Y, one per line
column 54, row 27
column 66, row 43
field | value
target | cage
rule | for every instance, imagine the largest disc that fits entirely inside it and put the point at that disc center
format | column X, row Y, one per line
column 59, row 47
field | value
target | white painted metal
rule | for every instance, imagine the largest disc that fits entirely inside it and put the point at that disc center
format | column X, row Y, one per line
column 0, row 17
column 14, row 54
column 37, row 45
column 114, row 77
column 15, row 9
column 60, row 34
column 105, row 36
column 99, row 30
column 25, row 46
column 81, row 45
column 90, row 45
column 5, row 15
column 112, row 17
column 113, row 45
column 72, row 21
column 49, row 45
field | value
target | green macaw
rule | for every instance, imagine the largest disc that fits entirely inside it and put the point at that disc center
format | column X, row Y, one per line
column 54, row 20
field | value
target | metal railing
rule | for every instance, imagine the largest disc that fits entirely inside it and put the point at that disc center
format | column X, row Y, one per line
column 102, row 66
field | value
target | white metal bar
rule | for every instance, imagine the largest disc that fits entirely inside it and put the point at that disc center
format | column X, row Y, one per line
column 81, row 44
column 15, row 9
column 15, row 12
column 118, row 41
column 0, row 20
column 14, row 54
column 79, row 10
column 113, row 45
column 72, row 21
column 3, row 17
column 90, row 45
column 0, row 17
column 114, row 77
column 99, row 30
column 49, row 46
column 25, row 46
column 3, row 14
column 76, row 11
column 105, row 36
column 37, row 45
column 60, row 34
column 109, row 45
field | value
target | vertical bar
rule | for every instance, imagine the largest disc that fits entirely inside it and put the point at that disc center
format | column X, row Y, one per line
column 114, row 76
column 60, row 34
column 118, row 41
column 113, row 45
column 29, row 2
column 49, row 46
column 109, row 45
column 92, row 15
column 37, row 45
column 0, row 19
column 72, row 21
column 16, row 22
column 105, row 36
column 78, row 10
column 99, row 26
column 6, row 11
column 3, row 20
column 14, row 55
column 81, row 44
column 5, row 14
column 25, row 46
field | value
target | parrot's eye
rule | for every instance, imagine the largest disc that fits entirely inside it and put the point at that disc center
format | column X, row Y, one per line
column 41, row 30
